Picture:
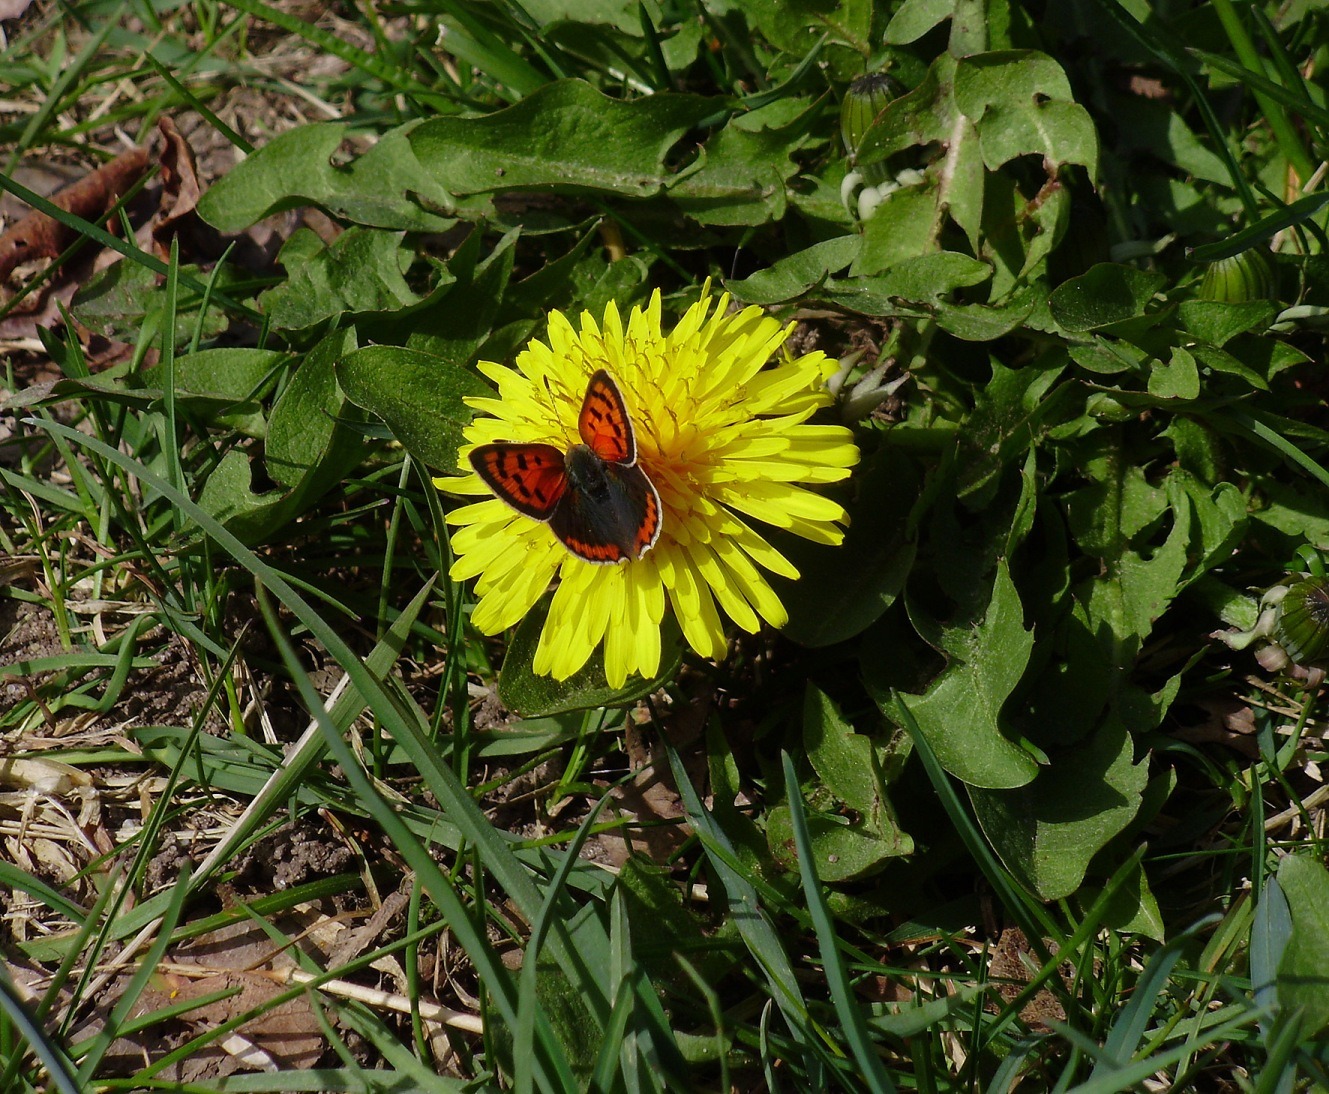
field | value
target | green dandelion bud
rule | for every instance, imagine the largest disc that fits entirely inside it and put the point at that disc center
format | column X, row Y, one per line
column 863, row 103
column 1302, row 626
column 1250, row 275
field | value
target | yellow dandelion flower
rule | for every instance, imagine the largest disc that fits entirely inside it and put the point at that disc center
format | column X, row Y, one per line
column 720, row 418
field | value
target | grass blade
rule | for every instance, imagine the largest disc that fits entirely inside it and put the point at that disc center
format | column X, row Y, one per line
column 58, row 1066
column 847, row 1008
column 492, row 973
column 1028, row 913
column 1129, row 1026
column 757, row 931
column 390, row 74
column 138, row 982
column 1289, row 216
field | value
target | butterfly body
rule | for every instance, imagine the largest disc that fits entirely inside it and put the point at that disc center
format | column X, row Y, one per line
column 595, row 498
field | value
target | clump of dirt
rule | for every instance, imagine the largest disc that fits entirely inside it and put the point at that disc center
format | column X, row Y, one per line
column 27, row 632
column 292, row 855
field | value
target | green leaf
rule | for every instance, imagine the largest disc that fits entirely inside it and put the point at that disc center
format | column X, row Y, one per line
column 620, row 14
column 220, row 387
column 921, row 280
column 384, row 188
column 228, row 382
column 532, row 696
column 114, row 389
column 1020, row 234
column 925, row 116
column 234, row 373
column 525, row 737
column 913, row 276
column 567, row 134
column 1155, row 128
column 981, row 323
column 307, row 448
column 1105, row 357
column 1178, row 379
column 797, row 27
column 1271, row 927
column 127, row 299
column 850, row 820
column 904, row 226
column 419, row 396
column 1217, row 322
column 1220, row 360
column 457, row 328
column 625, row 282
column 307, row 442
column 960, row 714
column 1021, row 102
column 659, row 914
column 228, row 497
column 1137, row 582
column 957, row 130
column 1067, row 699
column 914, row 18
column 1133, row 908
column 1006, row 419
column 842, row 590
column 1106, row 294
column 1296, row 510
column 743, row 172
column 1046, row 832
column 476, row 44
column 360, row 271
column 1221, row 520
column 1062, row 131
column 796, row 275
column 1302, row 978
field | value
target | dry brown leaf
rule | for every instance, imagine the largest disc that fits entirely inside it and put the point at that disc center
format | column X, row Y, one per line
column 1148, row 87
column 652, row 795
column 286, row 1037
column 1010, row 962
column 47, row 776
column 39, row 310
column 1230, row 722
column 181, row 188
column 40, row 236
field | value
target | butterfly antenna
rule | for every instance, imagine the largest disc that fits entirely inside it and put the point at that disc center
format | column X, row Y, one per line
column 556, row 397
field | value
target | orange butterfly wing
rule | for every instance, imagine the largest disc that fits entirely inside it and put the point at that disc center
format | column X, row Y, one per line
column 648, row 531
column 529, row 477
column 604, row 424
column 595, row 499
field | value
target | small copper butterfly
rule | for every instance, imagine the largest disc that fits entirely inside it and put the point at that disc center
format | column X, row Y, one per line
column 594, row 497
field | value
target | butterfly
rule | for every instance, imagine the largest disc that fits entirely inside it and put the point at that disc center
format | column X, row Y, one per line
column 595, row 497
